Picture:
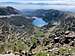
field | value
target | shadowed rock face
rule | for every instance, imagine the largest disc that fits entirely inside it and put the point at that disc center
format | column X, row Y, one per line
column 53, row 15
column 8, row 10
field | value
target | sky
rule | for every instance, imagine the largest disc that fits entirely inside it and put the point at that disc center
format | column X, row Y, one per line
column 20, row 0
column 43, row 1
column 31, row 0
column 30, row 3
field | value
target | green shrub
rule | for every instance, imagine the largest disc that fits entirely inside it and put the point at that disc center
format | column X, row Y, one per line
column 39, row 34
column 34, row 40
column 2, row 48
column 41, row 54
column 19, row 45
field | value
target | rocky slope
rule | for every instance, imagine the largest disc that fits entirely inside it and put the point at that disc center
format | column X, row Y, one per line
column 59, row 34
column 55, row 39
column 14, row 28
column 18, row 36
column 14, row 18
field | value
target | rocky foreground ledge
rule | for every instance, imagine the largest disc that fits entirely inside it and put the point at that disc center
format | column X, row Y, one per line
column 8, row 55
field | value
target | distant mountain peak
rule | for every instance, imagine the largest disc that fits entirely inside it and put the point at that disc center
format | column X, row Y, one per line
column 8, row 10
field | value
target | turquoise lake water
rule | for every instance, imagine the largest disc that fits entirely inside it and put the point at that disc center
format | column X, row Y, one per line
column 39, row 22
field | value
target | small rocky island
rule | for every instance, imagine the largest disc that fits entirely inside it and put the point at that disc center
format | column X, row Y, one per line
column 20, row 37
